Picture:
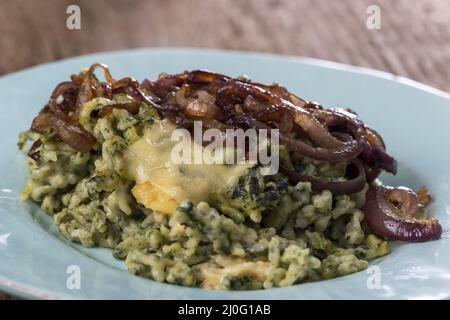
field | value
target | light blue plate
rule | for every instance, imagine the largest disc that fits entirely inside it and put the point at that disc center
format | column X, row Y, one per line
column 412, row 118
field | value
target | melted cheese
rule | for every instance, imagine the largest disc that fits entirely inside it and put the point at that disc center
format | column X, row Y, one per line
column 162, row 185
column 213, row 272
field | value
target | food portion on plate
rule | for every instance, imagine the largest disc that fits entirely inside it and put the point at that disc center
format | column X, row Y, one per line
column 101, row 163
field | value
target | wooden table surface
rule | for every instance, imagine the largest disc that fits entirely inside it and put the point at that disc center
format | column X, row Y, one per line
column 414, row 39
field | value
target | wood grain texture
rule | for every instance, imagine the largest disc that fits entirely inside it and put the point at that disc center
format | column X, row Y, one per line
column 414, row 40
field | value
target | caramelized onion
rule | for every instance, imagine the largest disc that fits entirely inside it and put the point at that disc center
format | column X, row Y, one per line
column 405, row 199
column 389, row 212
column 163, row 85
column 132, row 107
column 41, row 123
column 215, row 99
column 375, row 156
column 205, row 77
column 88, row 85
column 202, row 109
column 72, row 133
column 59, row 90
column 371, row 173
column 424, row 196
column 205, row 96
column 330, row 147
column 334, row 118
column 378, row 159
column 68, row 131
column 352, row 185
column 374, row 139
column 286, row 123
column 104, row 90
column 301, row 147
column 34, row 153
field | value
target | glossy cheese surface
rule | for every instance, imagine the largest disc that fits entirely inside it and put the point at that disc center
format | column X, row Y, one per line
column 162, row 185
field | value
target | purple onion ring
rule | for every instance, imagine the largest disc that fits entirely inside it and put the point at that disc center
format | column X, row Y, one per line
column 389, row 213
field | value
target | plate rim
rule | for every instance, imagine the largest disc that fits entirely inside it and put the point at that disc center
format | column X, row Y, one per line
column 324, row 63
column 22, row 290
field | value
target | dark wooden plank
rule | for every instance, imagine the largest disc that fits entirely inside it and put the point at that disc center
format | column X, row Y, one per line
column 414, row 40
